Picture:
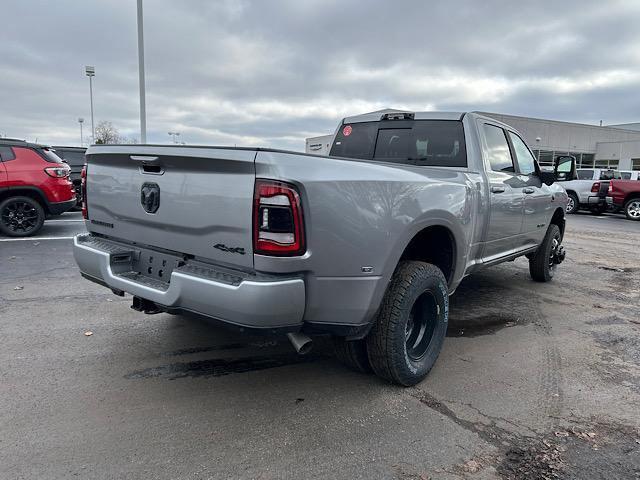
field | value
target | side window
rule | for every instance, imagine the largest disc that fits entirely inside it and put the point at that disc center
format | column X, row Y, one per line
column 526, row 162
column 498, row 149
column 6, row 154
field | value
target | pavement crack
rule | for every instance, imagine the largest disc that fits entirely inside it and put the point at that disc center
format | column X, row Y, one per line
column 491, row 433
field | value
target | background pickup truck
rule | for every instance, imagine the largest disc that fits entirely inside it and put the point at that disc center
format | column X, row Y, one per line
column 366, row 244
column 589, row 190
column 625, row 195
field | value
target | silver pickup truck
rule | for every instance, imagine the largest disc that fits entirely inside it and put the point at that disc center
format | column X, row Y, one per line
column 366, row 244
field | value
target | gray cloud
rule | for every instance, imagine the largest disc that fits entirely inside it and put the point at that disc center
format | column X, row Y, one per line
column 273, row 73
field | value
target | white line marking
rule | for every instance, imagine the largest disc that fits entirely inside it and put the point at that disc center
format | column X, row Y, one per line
column 33, row 239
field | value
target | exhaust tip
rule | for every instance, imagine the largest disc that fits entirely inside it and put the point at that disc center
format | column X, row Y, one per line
column 301, row 342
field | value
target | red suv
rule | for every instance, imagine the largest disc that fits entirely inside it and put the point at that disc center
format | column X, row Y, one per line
column 34, row 183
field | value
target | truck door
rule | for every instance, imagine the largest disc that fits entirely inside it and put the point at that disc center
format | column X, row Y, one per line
column 537, row 196
column 506, row 197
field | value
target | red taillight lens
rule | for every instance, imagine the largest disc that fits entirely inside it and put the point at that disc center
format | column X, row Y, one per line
column 278, row 227
column 595, row 188
column 57, row 172
column 83, row 189
column 610, row 189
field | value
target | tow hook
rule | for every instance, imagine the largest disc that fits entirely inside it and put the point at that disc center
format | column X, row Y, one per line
column 559, row 255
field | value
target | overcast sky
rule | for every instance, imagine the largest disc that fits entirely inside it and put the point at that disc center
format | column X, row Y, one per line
column 271, row 73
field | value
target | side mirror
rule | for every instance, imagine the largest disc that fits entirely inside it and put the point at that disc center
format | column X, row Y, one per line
column 564, row 168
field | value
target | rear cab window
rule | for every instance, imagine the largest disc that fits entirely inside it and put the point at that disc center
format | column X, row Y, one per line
column 585, row 174
column 72, row 157
column 438, row 143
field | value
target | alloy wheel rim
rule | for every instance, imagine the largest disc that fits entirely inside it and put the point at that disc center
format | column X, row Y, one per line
column 570, row 204
column 19, row 216
column 421, row 326
column 634, row 209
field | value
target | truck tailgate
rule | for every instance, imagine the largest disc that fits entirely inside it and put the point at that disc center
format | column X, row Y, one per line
column 192, row 200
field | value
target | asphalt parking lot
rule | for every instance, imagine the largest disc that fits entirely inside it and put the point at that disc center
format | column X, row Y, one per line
column 534, row 381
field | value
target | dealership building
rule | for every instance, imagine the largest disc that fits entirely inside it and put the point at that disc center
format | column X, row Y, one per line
column 614, row 147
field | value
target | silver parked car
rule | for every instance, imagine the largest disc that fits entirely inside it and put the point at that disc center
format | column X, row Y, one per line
column 366, row 244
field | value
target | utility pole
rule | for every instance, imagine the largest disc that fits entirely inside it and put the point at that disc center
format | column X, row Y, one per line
column 91, row 72
column 143, row 113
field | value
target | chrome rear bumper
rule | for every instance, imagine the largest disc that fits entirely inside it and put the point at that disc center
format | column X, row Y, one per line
column 234, row 297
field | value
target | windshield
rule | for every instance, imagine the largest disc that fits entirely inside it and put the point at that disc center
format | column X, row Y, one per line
column 419, row 142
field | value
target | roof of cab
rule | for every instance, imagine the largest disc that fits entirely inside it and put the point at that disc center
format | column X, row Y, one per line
column 377, row 115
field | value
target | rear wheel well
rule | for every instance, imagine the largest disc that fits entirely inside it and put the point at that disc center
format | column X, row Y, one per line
column 629, row 197
column 25, row 192
column 434, row 245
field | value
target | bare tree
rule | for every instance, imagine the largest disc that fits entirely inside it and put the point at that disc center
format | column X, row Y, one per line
column 106, row 133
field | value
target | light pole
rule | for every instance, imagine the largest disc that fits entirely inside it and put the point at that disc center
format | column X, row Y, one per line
column 91, row 72
column 143, row 113
column 81, row 121
column 174, row 135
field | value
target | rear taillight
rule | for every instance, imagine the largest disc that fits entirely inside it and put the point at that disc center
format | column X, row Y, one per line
column 595, row 188
column 277, row 219
column 610, row 189
column 57, row 172
column 83, row 190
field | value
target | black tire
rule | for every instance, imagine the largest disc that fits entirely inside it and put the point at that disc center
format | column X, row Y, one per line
column 353, row 354
column 408, row 334
column 599, row 210
column 632, row 209
column 541, row 265
column 573, row 204
column 21, row 217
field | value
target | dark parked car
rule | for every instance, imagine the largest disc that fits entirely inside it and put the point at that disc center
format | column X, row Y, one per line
column 74, row 156
column 34, row 183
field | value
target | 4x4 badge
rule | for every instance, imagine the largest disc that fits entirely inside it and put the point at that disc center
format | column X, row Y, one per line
column 150, row 197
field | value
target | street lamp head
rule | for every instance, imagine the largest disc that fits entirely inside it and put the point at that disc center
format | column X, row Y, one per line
column 80, row 120
column 90, row 71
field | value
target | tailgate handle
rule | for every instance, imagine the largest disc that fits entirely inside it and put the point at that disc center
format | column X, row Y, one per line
column 144, row 158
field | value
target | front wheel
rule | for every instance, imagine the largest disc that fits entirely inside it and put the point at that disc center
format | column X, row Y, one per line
column 21, row 217
column 410, row 329
column 572, row 203
column 632, row 209
column 543, row 264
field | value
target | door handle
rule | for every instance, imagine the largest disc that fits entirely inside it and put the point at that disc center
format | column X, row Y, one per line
column 528, row 190
column 497, row 189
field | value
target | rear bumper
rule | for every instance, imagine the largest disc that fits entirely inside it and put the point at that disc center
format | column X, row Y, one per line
column 61, row 207
column 595, row 200
column 236, row 298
